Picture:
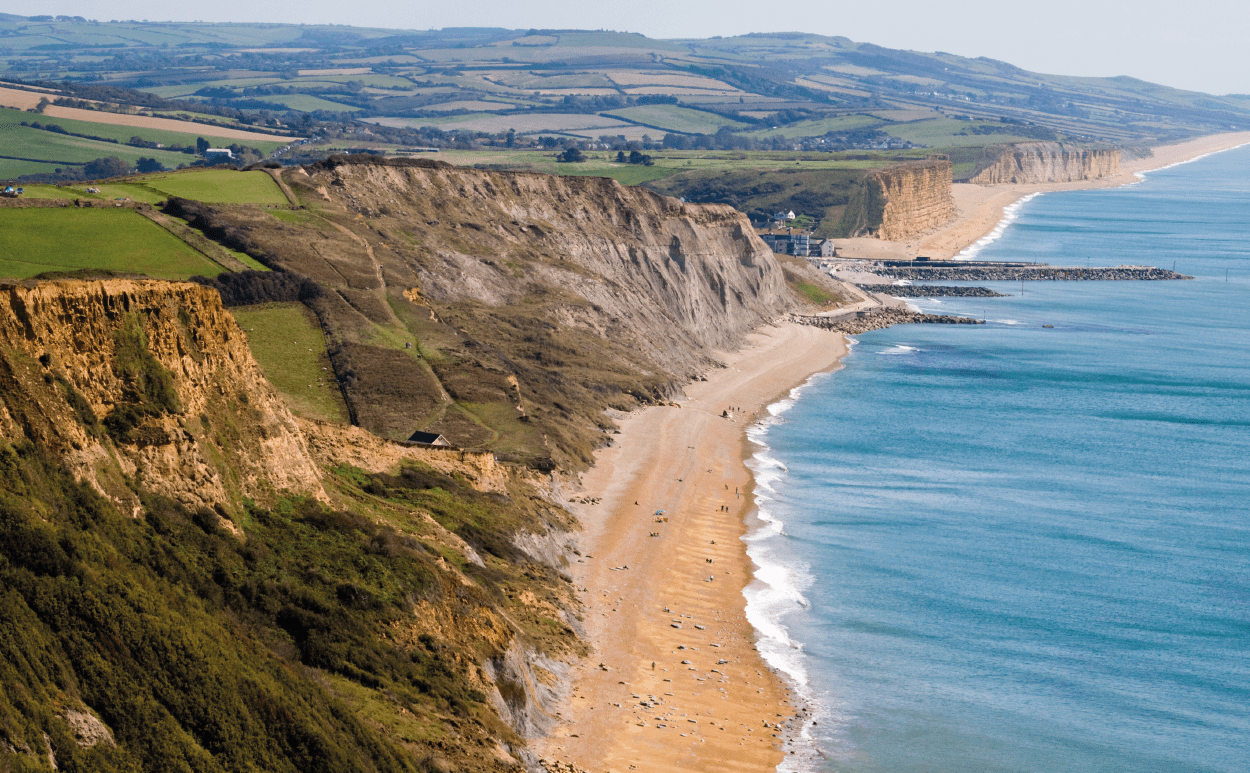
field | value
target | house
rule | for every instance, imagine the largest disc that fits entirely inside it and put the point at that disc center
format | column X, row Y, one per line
column 800, row 244
column 428, row 439
column 822, row 248
column 217, row 154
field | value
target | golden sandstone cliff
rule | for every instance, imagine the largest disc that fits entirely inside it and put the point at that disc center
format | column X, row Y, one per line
column 902, row 201
column 1045, row 162
column 149, row 381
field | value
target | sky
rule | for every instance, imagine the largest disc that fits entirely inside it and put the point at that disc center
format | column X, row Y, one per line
column 1198, row 45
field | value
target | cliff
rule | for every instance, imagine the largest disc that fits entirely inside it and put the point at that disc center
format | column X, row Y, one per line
column 218, row 585
column 146, row 381
column 530, row 302
column 1045, row 162
column 677, row 279
column 901, row 202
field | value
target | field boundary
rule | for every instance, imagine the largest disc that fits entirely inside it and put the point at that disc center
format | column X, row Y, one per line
column 196, row 241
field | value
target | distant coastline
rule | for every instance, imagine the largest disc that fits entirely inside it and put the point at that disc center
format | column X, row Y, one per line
column 985, row 210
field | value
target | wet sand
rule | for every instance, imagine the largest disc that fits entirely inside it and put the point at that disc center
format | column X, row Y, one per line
column 716, row 711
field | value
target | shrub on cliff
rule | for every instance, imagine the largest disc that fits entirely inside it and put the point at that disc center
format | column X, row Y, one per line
column 246, row 288
column 201, row 651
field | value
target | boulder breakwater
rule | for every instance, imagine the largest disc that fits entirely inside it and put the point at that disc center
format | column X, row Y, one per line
column 930, row 291
column 863, row 321
column 962, row 271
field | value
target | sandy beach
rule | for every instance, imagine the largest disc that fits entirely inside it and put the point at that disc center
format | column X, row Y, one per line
column 980, row 207
column 674, row 682
column 665, row 613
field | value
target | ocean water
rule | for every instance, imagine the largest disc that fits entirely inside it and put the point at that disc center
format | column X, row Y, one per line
column 1019, row 548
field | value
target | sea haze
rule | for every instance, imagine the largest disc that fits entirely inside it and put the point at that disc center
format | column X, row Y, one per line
column 1022, row 548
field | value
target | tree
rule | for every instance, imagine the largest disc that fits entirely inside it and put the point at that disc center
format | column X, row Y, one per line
column 570, row 156
column 201, row 145
column 102, row 168
column 511, row 141
column 150, row 165
column 620, row 157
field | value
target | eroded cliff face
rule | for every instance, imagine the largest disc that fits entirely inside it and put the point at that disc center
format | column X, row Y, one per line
column 148, row 387
column 902, row 202
column 676, row 279
column 1047, row 162
column 150, row 381
column 537, row 300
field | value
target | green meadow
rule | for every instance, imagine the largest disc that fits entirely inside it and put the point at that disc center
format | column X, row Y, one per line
column 33, row 241
column 291, row 351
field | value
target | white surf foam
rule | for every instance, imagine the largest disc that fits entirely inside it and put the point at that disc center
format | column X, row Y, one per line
column 1010, row 213
column 777, row 588
column 897, row 350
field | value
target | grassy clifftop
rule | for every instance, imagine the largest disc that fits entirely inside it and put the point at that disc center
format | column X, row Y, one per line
column 202, row 573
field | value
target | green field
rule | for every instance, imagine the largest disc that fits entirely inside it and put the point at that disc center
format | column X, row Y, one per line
column 215, row 186
column 218, row 186
column 24, row 142
column 132, row 191
column 122, row 134
column 949, row 133
column 677, row 119
column 839, row 123
column 308, row 103
column 11, row 169
column 33, row 241
column 290, row 348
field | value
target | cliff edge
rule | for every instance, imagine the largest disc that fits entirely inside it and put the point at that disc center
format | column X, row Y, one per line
column 901, row 202
column 1045, row 162
column 148, row 381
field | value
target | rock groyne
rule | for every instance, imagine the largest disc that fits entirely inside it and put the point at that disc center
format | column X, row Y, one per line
column 931, row 291
column 862, row 322
column 1030, row 273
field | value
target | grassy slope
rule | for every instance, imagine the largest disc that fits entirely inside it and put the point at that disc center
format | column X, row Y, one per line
column 296, row 649
column 217, row 186
column 290, row 348
column 33, row 241
column 61, row 150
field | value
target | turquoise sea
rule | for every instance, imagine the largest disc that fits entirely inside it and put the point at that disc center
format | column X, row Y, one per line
column 1019, row 548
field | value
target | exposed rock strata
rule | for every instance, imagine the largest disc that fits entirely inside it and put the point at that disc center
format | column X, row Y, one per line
column 61, row 336
column 675, row 280
column 902, row 202
column 1046, row 162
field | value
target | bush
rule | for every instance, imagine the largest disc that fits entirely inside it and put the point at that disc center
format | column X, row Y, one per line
column 246, row 288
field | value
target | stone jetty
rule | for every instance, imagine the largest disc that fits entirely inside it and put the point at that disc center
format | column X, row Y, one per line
column 862, row 322
column 1014, row 272
column 931, row 291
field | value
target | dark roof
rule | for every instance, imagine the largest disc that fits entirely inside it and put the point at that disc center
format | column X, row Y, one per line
column 429, row 438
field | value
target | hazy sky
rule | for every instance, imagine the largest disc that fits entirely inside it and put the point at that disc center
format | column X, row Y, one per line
column 1199, row 44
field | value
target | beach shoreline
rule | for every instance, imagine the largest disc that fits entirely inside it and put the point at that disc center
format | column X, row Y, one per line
column 710, row 701
column 982, row 209
column 675, row 681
